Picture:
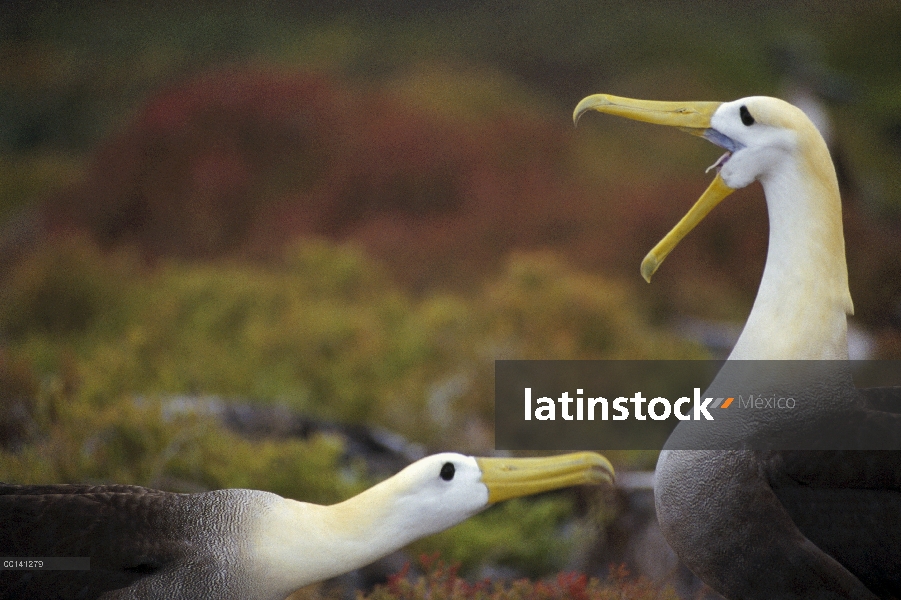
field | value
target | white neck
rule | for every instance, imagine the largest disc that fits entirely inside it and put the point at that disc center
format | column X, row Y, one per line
column 801, row 305
column 298, row 543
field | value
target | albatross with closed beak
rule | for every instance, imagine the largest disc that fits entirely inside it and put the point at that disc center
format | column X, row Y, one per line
column 248, row 544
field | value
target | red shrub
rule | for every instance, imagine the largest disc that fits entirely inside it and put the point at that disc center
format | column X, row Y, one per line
column 239, row 162
column 441, row 582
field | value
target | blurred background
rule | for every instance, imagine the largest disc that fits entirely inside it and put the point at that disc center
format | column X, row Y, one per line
column 280, row 244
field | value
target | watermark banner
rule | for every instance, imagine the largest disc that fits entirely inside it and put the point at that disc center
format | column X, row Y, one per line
column 45, row 563
column 697, row 405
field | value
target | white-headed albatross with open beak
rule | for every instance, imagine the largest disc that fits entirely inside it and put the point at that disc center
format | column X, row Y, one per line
column 248, row 544
column 781, row 524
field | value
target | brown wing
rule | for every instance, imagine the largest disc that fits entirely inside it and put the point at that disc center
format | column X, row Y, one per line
column 128, row 532
column 885, row 399
column 848, row 503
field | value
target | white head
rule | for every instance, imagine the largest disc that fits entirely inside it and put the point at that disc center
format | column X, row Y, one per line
column 763, row 135
column 443, row 489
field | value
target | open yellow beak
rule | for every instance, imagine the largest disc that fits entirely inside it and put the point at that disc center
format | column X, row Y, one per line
column 508, row 478
column 692, row 117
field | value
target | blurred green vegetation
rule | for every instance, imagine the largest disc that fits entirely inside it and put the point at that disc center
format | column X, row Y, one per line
column 325, row 331
column 52, row 434
column 522, row 534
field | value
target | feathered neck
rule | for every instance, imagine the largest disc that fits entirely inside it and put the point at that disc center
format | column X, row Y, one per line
column 803, row 300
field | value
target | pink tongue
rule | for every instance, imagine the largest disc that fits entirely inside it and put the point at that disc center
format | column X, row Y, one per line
column 719, row 162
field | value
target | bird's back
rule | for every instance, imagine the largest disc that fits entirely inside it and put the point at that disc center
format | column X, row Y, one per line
column 137, row 540
column 859, row 528
column 848, row 503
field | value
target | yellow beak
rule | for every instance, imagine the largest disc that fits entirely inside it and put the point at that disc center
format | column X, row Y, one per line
column 692, row 117
column 508, row 478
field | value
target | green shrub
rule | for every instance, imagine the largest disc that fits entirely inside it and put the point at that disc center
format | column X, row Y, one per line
column 143, row 440
column 521, row 533
column 18, row 410
column 325, row 332
column 63, row 289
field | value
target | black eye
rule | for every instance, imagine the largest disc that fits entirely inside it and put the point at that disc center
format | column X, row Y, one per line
column 447, row 471
column 746, row 117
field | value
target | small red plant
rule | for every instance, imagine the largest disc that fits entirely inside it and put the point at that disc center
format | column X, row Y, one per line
column 441, row 581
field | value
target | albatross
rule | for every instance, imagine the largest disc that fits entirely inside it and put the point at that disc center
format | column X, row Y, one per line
column 248, row 544
column 772, row 524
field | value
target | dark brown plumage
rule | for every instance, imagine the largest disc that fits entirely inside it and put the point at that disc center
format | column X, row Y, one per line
column 130, row 533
